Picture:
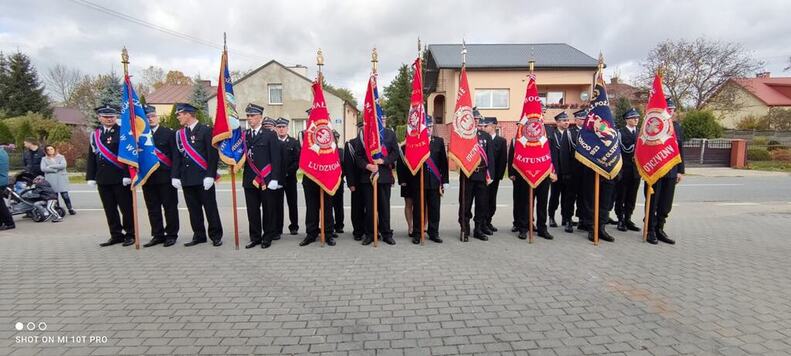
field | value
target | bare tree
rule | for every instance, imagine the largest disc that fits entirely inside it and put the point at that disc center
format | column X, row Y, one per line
column 61, row 81
column 151, row 79
column 695, row 70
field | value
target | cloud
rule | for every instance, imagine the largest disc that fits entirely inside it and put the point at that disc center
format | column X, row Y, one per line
column 67, row 32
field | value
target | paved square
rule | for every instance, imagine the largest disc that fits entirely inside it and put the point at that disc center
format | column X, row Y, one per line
column 725, row 288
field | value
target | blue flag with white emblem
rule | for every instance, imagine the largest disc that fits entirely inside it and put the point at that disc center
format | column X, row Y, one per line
column 227, row 135
column 598, row 145
column 136, row 147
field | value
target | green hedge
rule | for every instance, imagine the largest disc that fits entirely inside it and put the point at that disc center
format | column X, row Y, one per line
column 701, row 124
column 758, row 154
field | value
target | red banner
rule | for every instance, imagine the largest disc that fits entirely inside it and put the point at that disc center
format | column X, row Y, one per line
column 463, row 147
column 372, row 139
column 532, row 155
column 319, row 159
column 656, row 151
column 417, row 141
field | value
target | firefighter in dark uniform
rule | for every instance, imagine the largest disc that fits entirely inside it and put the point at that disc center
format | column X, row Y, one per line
column 337, row 199
column 353, row 174
column 384, row 166
column 160, row 196
column 563, row 190
column 578, row 168
column 629, row 182
column 262, row 171
column 290, row 150
column 194, row 171
column 665, row 188
column 111, row 177
column 500, row 162
column 475, row 187
column 435, row 183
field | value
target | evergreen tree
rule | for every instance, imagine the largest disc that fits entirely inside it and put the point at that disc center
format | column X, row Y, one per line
column 397, row 97
column 200, row 100
column 170, row 120
column 3, row 84
column 109, row 94
column 21, row 91
column 25, row 131
column 6, row 136
column 622, row 105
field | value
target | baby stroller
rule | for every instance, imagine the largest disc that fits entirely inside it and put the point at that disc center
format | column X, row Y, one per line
column 23, row 198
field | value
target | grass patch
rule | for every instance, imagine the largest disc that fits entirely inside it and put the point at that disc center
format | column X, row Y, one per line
column 772, row 166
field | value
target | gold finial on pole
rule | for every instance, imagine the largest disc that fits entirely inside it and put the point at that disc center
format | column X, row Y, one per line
column 125, row 60
column 224, row 42
column 419, row 47
column 601, row 61
column 374, row 59
column 463, row 52
column 320, row 61
column 532, row 65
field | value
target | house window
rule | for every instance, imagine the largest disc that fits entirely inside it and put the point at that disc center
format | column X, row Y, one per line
column 491, row 98
column 296, row 126
column 552, row 98
column 275, row 94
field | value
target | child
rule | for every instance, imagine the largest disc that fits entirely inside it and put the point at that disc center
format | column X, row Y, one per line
column 49, row 198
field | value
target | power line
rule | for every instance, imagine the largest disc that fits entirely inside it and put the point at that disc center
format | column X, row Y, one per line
column 165, row 30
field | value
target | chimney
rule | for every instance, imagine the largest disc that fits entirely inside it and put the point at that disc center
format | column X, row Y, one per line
column 302, row 70
column 763, row 75
column 614, row 80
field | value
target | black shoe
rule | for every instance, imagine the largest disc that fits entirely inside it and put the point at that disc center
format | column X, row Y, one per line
column 546, row 235
column 252, row 244
column 333, row 235
column 307, row 241
column 413, row 235
column 492, row 228
column 276, row 237
column 514, row 229
column 552, row 222
column 72, row 212
column 631, row 226
column 436, row 239
column 169, row 242
column 109, row 242
column 569, row 227
column 388, row 240
column 128, row 242
column 415, row 240
column 338, row 231
column 662, row 236
column 154, row 242
column 621, row 226
column 293, row 232
column 194, row 242
column 367, row 241
column 584, row 227
column 485, row 229
column 358, row 238
column 651, row 238
column 522, row 236
column 266, row 244
column 603, row 235
column 330, row 242
column 216, row 243
column 478, row 234
column 610, row 221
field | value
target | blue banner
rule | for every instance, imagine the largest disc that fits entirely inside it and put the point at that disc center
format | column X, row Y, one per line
column 136, row 147
column 598, row 144
column 227, row 135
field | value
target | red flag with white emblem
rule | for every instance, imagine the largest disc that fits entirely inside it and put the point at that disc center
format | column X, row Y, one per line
column 319, row 158
column 532, row 155
column 463, row 148
column 656, row 151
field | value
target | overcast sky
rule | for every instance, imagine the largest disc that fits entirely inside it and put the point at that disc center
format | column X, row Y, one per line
column 69, row 32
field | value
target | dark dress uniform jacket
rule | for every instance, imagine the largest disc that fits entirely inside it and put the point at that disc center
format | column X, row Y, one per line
column 679, row 168
column 385, row 169
column 188, row 171
column 263, row 150
column 440, row 158
column 479, row 174
column 352, row 172
column 165, row 142
column 500, row 157
column 98, row 168
column 290, row 150
column 562, row 149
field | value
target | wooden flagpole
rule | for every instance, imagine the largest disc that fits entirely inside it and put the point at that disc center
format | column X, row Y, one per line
column 234, row 168
column 647, row 211
column 133, row 187
column 375, row 176
column 596, row 211
column 530, row 218
column 422, row 179
column 320, row 63
column 463, row 207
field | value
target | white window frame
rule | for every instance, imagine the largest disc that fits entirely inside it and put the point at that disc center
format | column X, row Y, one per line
column 272, row 86
column 545, row 95
column 491, row 92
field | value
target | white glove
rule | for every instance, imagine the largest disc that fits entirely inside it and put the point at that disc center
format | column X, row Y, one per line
column 272, row 185
column 176, row 183
column 445, row 186
column 126, row 181
column 207, row 183
column 92, row 183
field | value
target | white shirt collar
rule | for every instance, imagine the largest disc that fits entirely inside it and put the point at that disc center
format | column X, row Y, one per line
column 192, row 127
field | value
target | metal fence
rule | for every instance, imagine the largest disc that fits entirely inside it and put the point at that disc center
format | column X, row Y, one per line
column 707, row 152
